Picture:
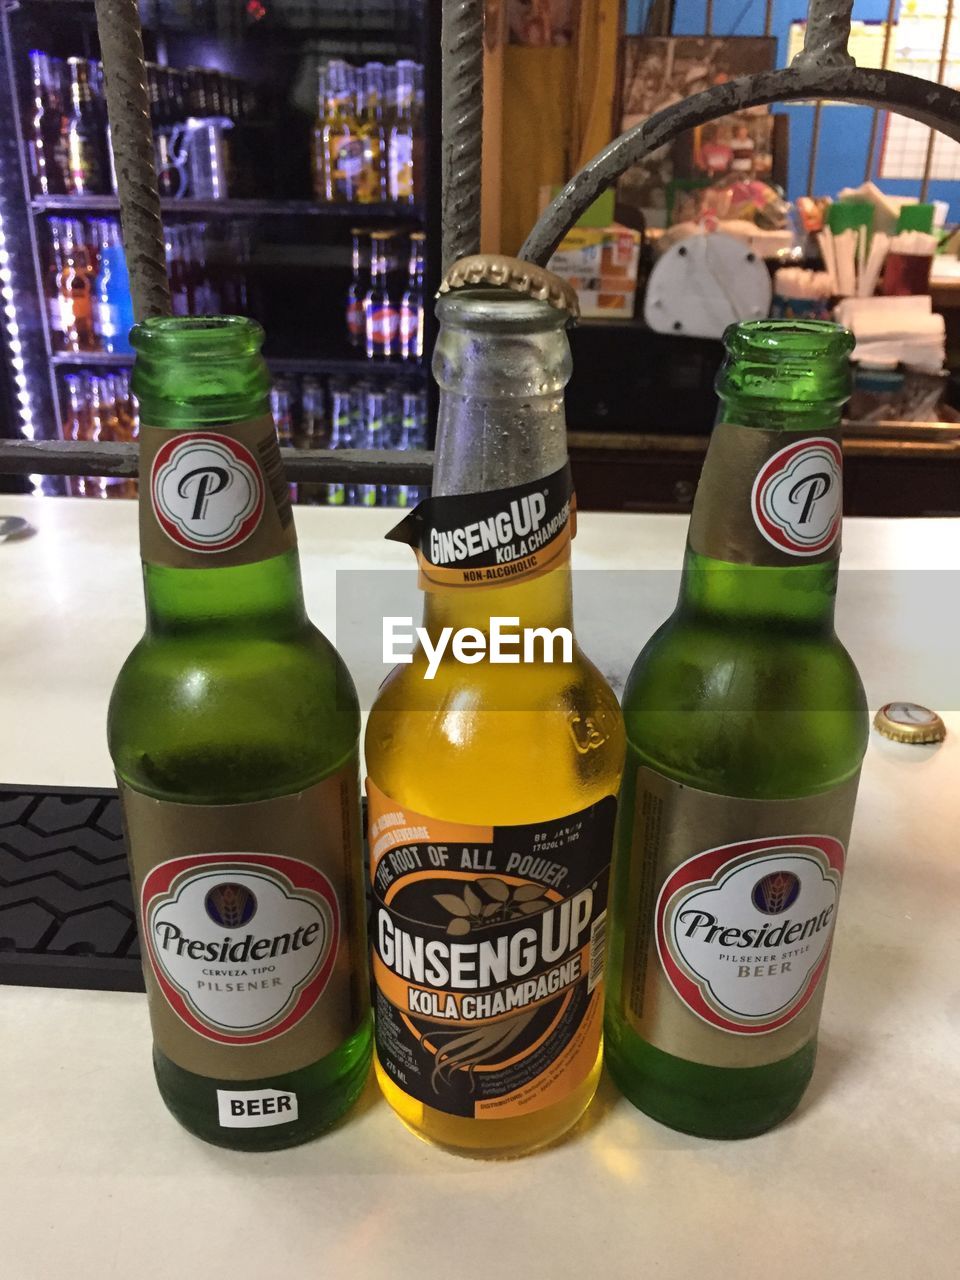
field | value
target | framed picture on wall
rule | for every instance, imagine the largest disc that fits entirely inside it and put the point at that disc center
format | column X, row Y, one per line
column 661, row 70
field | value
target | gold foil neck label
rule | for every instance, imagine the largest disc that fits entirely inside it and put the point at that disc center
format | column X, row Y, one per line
column 250, row 919
column 730, row 916
column 213, row 498
column 769, row 497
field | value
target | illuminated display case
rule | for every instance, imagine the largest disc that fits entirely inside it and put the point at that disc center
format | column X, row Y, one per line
column 250, row 224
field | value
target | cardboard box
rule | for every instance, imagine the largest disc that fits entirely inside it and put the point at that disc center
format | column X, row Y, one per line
column 601, row 263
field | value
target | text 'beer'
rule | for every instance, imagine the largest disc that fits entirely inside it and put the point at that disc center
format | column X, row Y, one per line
column 233, row 728
column 492, row 787
column 746, row 727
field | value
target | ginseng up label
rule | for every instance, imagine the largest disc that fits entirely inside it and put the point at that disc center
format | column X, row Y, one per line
column 488, row 955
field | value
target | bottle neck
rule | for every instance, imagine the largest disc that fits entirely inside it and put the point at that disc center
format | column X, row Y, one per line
column 722, row 582
column 262, row 598
column 500, row 424
column 216, row 533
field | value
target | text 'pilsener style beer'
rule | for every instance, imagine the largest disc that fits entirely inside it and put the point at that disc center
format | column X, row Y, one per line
column 491, row 786
column 746, row 727
column 233, row 728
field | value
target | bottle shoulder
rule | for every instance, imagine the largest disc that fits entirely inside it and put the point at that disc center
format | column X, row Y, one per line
column 745, row 711
column 248, row 715
column 468, row 748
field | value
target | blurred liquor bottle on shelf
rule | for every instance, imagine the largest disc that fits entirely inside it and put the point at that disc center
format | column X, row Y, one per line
column 343, row 399
column 412, row 435
column 74, row 287
column 178, row 273
column 206, row 300
column 411, row 304
column 86, row 169
column 313, row 432
column 342, row 144
column 228, row 259
column 53, row 266
column 114, row 305
column 401, row 140
column 381, row 316
column 318, row 164
column 374, row 436
column 77, row 424
column 359, row 284
column 373, row 177
column 282, row 409
column 106, row 426
column 100, row 406
column 47, row 126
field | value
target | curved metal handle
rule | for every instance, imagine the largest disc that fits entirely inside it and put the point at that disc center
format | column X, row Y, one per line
column 931, row 104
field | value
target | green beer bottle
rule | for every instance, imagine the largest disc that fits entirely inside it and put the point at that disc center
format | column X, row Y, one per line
column 746, row 727
column 233, row 727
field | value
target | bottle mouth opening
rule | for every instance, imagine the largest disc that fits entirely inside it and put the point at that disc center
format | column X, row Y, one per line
column 490, row 308
column 197, row 337
column 776, row 339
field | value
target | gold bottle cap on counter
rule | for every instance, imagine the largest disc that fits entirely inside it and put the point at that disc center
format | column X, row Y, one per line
column 512, row 273
column 909, row 722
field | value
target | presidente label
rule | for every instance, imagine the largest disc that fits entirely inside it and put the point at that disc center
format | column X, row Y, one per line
column 763, row 501
column 492, row 539
column 251, row 927
column 242, row 946
column 743, row 931
column 797, row 497
column 213, row 498
column 488, row 955
column 730, row 916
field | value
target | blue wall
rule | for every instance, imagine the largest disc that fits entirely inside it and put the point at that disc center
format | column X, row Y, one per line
column 844, row 131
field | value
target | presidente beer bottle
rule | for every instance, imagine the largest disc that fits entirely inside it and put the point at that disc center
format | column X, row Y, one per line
column 233, row 727
column 492, row 785
column 746, row 727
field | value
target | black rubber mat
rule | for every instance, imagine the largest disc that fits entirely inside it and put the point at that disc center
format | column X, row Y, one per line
column 66, row 908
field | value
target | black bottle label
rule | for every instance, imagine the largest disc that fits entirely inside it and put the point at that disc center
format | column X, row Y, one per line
column 492, row 539
column 488, row 948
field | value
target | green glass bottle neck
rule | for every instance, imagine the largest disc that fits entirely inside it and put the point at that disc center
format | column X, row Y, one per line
column 263, row 598
column 197, row 375
column 798, row 596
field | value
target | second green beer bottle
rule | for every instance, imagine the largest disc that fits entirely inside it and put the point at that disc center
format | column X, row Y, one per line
column 233, row 728
column 746, row 727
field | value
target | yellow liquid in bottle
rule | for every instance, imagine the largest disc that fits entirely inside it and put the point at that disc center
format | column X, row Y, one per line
column 496, row 745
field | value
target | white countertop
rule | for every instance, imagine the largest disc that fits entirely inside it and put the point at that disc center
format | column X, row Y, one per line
column 96, row 1180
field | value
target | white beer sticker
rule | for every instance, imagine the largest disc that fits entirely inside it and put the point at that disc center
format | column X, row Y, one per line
column 797, row 496
column 743, row 931
column 207, row 491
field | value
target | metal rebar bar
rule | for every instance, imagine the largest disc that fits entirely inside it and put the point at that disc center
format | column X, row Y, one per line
column 131, row 137
column 462, row 122
column 814, row 147
column 768, row 18
column 340, row 466
column 708, row 19
column 875, row 122
column 828, row 31
column 941, row 71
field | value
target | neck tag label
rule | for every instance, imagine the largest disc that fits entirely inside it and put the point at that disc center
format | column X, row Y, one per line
column 492, row 539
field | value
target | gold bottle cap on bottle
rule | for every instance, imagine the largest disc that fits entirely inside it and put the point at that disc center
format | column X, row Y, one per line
column 909, row 722
column 512, row 273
